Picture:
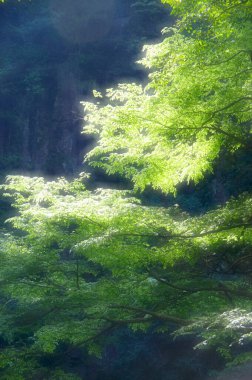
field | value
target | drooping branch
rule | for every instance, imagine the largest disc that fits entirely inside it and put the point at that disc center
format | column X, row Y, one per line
column 226, row 107
column 228, row 59
column 204, row 124
column 220, row 288
column 169, row 236
column 231, row 7
column 239, row 260
column 129, row 321
column 162, row 317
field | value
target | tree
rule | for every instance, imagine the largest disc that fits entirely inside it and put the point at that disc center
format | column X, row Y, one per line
column 77, row 265
column 196, row 102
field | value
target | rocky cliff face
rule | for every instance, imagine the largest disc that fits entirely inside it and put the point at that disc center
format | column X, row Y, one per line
column 51, row 136
column 54, row 53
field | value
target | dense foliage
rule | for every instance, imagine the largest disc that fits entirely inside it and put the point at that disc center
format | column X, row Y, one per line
column 77, row 265
column 196, row 102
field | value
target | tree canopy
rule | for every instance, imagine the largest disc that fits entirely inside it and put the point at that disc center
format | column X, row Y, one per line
column 77, row 264
column 197, row 100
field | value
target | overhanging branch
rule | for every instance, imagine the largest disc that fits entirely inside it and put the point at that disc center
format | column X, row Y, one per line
column 169, row 236
column 219, row 288
column 150, row 313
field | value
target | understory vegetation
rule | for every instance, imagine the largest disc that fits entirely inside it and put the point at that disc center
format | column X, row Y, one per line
column 79, row 264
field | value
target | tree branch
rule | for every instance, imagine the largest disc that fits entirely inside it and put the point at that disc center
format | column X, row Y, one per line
column 228, row 59
column 169, row 236
column 162, row 317
column 219, row 288
column 226, row 107
column 231, row 7
column 204, row 125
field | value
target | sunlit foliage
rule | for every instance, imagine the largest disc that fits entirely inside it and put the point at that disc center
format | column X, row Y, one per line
column 197, row 100
column 81, row 264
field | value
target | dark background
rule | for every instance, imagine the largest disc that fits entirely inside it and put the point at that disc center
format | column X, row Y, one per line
column 53, row 54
